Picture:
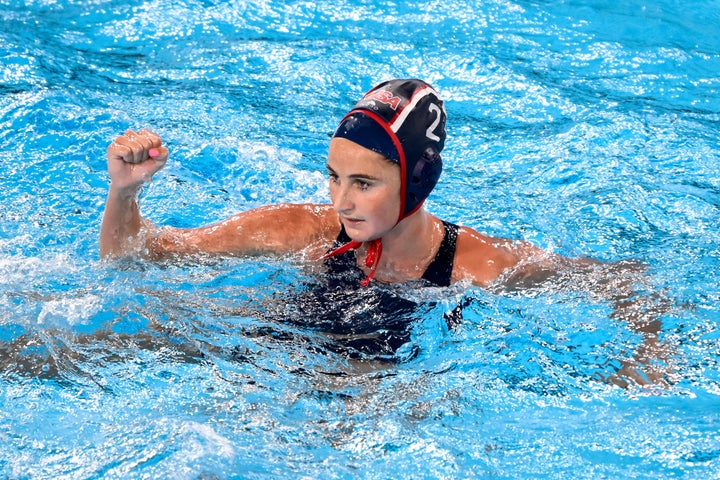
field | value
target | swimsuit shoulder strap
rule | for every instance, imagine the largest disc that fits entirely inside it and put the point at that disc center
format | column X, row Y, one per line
column 440, row 269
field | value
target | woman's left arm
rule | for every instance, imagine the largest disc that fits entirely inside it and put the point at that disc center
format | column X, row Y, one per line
column 505, row 265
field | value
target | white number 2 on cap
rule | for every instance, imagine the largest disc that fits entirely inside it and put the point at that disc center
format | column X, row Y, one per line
column 429, row 133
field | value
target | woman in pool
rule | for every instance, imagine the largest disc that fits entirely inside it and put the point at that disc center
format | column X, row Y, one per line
column 383, row 162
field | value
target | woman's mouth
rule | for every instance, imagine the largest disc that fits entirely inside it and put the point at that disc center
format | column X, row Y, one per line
column 352, row 221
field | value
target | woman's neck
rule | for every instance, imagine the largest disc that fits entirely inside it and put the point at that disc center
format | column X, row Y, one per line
column 409, row 247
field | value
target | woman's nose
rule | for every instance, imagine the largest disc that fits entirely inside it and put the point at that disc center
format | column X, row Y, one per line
column 342, row 201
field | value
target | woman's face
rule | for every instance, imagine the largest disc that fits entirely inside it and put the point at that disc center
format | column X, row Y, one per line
column 364, row 188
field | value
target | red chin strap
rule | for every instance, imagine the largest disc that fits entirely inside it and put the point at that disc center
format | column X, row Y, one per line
column 372, row 256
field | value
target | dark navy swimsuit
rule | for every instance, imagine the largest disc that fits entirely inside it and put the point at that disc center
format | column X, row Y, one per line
column 370, row 323
column 438, row 273
column 373, row 321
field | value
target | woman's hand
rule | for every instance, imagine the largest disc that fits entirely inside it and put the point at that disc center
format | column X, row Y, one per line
column 133, row 158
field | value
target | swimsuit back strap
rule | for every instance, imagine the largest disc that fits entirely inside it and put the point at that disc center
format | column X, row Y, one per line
column 440, row 269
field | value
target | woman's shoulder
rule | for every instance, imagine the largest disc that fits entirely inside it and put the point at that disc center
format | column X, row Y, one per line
column 303, row 226
column 482, row 258
column 315, row 227
column 322, row 218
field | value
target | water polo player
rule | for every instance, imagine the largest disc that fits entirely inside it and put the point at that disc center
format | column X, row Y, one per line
column 383, row 162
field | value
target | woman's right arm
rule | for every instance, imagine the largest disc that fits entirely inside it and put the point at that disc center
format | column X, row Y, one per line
column 132, row 159
column 135, row 157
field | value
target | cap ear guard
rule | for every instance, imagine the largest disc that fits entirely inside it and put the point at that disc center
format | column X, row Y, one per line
column 424, row 177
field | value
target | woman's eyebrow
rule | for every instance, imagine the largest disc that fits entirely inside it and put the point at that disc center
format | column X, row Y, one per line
column 354, row 176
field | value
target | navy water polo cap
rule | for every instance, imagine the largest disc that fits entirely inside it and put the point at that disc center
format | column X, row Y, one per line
column 403, row 120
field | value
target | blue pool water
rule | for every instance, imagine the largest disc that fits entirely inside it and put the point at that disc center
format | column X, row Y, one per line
column 587, row 127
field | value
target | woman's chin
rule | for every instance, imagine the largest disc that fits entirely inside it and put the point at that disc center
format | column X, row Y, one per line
column 356, row 233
